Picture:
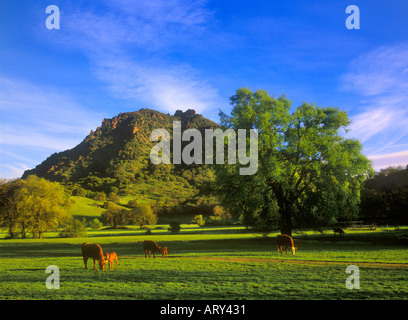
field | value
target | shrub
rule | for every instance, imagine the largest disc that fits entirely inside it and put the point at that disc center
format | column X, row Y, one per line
column 114, row 215
column 141, row 215
column 199, row 220
column 132, row 203
column 79, row 192
column 113, row 197
column 95, row 224
column 74, row 228
column 99, row 196
column 174, row 226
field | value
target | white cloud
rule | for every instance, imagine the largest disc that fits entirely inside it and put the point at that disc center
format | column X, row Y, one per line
column 129, row 47
column 12, row 171
column 184, row 12
column 41, row 117
column 380, row 77
column 383, row 122
column 391, row 159
column 130, row 50
column 381, row 71
column 36, row 121
column 168, row 89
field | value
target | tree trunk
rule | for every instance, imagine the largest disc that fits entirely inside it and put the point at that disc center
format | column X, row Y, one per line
column 23, row 231
column 286, row 222
column 11, row 233
column 286, row 230
column 285, row 210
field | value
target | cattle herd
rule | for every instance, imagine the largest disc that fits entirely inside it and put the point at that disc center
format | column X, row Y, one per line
column 94, row 251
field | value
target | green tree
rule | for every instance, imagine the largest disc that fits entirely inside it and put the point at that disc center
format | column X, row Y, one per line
column 41, row 204
column 133, row 203
column 220, row 216
column 99, row 196
column 114, row 215
column 74, row 228
column 141, row 214
column 174, row 226
column 10, row 216
column 198, row 219
column 307, row 171
column 385, row 196
column 113, row 197
column 79, row 192
column 95, row 224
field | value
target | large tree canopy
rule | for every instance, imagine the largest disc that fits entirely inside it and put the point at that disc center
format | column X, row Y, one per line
column 308, row 173
column 32, row 205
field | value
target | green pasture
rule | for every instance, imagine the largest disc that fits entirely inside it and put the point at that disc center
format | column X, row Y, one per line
column 83, row 207
column 209, row 263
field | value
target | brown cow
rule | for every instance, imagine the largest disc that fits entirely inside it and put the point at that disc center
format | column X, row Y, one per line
column 338, row 230
column 110, row 257
column 286, row 241
column 164, row 252
column 149, row 245
column 92, row 250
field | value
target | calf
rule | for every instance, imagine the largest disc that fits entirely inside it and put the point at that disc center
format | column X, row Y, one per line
column 151, row 246
column 110, row 257
column 92, row 250
column 164, row 252
column 338, row 230
column 286, row 241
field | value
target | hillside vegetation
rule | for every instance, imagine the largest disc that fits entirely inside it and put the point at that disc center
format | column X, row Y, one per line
column 115, row 158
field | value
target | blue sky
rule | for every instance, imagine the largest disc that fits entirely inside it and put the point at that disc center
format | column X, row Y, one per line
column 120, row 55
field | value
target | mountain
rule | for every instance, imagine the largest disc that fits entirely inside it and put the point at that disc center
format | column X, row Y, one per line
column 116, row 158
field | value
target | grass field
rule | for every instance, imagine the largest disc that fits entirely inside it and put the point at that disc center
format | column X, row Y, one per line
column 209, row 263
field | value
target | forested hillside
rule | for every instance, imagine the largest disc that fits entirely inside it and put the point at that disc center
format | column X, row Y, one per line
column 115, row 158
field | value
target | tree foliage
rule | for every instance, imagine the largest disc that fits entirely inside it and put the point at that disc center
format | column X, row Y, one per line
column 10, row 215
column 114, row 215
column 32, row 205
column 307, row 171
column 96, row 224
column 142, row 214
column 385, row 196
column 198, row 219
column 74, row 228
column 174, row 226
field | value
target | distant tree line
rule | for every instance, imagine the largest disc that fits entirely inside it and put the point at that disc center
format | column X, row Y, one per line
column 139, row 214
column 342, row 187
column 35, row 205
column 384, row 196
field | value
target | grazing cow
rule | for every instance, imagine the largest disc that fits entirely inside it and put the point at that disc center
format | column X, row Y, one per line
column 164, row 252
column 110, row 257
column 338, row 230
column 152, row 246
column 286, row 241
column 92, row 250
